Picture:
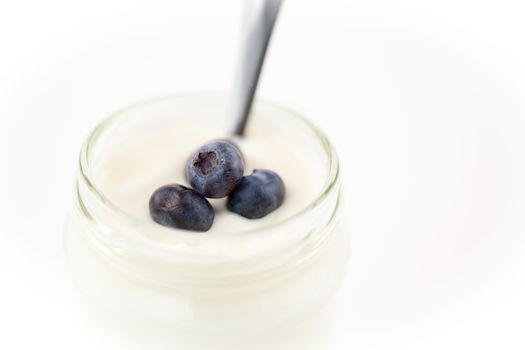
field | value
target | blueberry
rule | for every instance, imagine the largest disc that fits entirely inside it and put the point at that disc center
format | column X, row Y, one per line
column 215, row 169
column 257, row 195
column 181, row 207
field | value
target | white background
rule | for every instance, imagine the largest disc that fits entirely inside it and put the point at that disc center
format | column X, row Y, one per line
column 425, row 101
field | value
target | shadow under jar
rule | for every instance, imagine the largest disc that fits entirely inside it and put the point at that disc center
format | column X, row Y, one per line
column 242, row 275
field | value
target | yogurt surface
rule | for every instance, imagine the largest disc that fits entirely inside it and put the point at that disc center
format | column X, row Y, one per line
column 138, row 160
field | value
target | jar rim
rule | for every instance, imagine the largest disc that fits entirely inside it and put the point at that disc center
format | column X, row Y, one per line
column 87, row 176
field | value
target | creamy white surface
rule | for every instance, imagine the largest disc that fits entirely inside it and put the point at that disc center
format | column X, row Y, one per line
column 140, row 160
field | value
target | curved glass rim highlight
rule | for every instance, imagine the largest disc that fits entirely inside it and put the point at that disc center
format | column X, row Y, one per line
column 85, row 171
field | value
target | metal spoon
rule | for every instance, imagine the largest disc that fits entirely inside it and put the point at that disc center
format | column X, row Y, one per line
column 260, row 16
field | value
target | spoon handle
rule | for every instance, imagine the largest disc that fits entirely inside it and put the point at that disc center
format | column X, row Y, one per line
column 260, row 16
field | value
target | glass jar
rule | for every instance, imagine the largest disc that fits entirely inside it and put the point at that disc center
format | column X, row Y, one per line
column 236, row 281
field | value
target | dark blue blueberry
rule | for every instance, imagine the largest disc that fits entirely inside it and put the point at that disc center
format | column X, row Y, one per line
column 215, row 169
column 181, row 207
column 257, row 195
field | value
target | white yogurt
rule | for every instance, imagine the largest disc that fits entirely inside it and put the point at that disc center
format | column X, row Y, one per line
column 136, row 164
column 240, row 276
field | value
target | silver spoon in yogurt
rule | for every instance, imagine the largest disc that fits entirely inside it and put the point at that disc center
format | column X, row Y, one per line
column 259, row 20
